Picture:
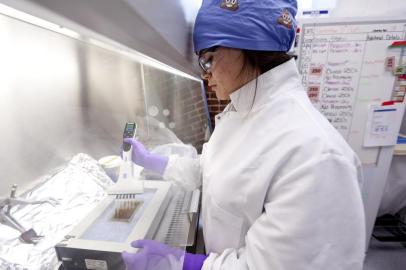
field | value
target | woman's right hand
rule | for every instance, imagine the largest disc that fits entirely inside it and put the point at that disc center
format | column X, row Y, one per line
column 142, row 157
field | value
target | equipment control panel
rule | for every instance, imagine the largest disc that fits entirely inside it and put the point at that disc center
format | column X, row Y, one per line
column 130, row 131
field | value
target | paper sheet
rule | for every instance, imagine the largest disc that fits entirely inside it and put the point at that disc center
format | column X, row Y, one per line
column 383, row 125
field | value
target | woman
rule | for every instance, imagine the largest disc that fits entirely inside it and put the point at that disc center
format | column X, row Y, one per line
column 280, row 185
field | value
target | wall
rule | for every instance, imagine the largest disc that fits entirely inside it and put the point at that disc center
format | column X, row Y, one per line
column 215, row 106
column 358, row 8
column 369, row 8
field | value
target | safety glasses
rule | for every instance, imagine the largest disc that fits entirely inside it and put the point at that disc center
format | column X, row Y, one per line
column 206, row 62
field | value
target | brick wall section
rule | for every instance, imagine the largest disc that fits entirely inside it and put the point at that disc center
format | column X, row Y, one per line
column 183, row 97
column 215, row 106
column 191, row 116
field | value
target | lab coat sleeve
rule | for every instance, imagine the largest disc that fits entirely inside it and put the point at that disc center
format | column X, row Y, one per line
column 312, row 219
column 185, row 171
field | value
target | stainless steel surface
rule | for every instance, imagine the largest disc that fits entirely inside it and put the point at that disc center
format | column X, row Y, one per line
column 156, row 28
column 60, row 96
column 193, row 218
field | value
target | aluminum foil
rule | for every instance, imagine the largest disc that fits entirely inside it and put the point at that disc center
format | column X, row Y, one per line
column 78, row 187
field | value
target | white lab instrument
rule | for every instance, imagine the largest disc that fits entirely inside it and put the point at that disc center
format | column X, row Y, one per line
column 102, row 235
column 162, row 212
column 127, row 183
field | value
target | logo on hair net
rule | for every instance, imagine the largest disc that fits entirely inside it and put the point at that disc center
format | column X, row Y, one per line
column 285, row 19
column 230, row 4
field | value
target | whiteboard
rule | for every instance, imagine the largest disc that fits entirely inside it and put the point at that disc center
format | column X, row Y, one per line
column 342, row 65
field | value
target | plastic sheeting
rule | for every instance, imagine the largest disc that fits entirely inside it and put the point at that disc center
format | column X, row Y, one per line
column 78, row 188
column 179, row 149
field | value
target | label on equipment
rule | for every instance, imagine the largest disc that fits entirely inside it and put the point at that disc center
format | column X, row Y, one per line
column 96, row 264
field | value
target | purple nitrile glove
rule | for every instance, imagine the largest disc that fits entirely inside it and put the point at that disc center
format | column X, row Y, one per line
column 193, row 261
column 141, row 156
column 157, row 256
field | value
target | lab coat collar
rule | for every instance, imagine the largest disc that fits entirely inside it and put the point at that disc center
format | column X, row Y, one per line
column 267, row 84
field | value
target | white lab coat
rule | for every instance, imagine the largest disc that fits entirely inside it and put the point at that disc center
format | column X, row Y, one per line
column 280, row 185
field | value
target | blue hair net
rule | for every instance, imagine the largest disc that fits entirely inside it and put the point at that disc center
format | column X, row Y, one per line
column 261, row 25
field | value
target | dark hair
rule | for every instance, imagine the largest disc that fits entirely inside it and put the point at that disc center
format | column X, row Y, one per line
column 261, row 61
